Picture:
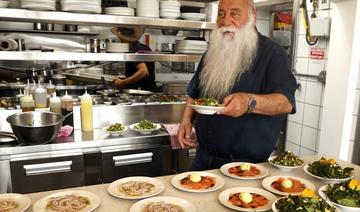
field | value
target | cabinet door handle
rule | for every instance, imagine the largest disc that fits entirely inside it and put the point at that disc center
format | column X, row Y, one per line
column 123, row 160
column 47, row 168
column 191, row 153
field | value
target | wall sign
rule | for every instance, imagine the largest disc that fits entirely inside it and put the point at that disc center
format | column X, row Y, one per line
column 317, row 53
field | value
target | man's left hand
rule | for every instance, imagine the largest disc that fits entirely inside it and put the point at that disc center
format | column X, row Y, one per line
column 235, row 104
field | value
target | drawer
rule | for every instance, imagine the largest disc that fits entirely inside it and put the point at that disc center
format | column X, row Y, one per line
column 153, row 161
column 34, row 174
column 184, row 159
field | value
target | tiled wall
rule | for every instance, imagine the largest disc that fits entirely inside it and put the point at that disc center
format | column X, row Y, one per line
column 354, row 146
column 303, row 128
column 263, row 21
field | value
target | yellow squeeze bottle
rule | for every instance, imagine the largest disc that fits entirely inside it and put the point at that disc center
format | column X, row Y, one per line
column 86, row 112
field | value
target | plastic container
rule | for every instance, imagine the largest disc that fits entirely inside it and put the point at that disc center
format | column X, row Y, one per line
column 33, row 88
column 67, row 107
column 55, row 104
column 86, row 112
column 27, row 103
column 40, row 97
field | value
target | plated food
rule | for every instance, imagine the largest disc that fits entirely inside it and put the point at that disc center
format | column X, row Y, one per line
column 163, row 203
column 247, row 199
column 286, row 161
column 11, row 202
column 206, row 106
column 307, row 201
column 69, row 201
column 345, row 195
column 145, row 127
column 328, row 170
column 135, row 187
column 115, row 129
column 285, row 185
column 197, row 182
column 243, row 170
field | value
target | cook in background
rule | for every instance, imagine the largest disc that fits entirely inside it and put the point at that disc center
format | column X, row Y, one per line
column 138, row 74
column 251, row 75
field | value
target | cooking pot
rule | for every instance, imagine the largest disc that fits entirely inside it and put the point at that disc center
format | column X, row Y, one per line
column 36, row 127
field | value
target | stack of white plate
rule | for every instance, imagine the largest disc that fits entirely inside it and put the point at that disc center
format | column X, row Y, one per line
column 190, row 46
column 38, row 4
column 147, row 8
column 81, row 6
column 117, row 47
column 170, row 9
column 193, row 16
column 126, row 11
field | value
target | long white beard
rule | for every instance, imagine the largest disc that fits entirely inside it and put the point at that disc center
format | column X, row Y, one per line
column 227, row 59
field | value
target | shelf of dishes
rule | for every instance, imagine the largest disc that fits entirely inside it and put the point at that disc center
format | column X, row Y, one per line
column 21, row 15
column 70, row 56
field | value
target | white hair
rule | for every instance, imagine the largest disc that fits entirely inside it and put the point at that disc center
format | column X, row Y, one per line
column 227, row 59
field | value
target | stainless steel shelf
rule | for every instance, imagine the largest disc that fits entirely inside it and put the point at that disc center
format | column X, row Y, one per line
column 70, row 56
column 50, row 32
column 21, row 15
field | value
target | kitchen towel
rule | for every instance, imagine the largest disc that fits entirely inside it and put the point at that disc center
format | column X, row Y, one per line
column 172, row 130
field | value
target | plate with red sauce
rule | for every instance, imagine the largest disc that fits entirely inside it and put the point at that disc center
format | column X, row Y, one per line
column 285, row 185
column 244, row 170
column 247, row 199
column 197, row 182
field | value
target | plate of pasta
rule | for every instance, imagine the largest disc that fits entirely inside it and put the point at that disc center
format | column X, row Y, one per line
column 163, row 203
column 14, row 202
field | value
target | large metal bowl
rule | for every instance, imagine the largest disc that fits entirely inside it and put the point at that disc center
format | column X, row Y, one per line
column 35, row 127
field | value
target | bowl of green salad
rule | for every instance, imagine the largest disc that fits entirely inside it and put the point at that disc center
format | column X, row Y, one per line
column 286, row 161
column 344, row 195
column 115, row 129
column 206, row 106
column 145, row 127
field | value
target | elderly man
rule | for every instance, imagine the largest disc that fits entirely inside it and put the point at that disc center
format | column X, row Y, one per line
column 251, row 75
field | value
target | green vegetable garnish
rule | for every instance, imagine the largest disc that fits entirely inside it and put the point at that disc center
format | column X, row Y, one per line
column 345, row 193
column 329, row 169
column 145, row 125
column 287, row 158
column 115, row 127
column 206, row 102
column 303, row 204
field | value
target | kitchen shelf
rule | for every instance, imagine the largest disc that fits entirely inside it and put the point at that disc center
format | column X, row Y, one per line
column 21, row 15
column 79, row 56
column 49, row 32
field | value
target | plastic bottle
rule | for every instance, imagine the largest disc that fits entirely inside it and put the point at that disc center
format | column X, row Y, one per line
column 33, row 88
column 50, row 89
column 55, row 104
column 86, row 112
column 67, row 107
column 40, row 97
column 27, row 103
column 27, row 88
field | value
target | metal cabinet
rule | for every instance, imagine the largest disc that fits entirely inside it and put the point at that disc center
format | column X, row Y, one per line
column 40, row 172
column 183, row 159
column 143, row 161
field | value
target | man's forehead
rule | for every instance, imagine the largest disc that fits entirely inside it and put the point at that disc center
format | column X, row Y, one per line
column 233, row 4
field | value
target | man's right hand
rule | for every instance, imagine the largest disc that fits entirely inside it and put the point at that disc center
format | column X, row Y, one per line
column 184, row 134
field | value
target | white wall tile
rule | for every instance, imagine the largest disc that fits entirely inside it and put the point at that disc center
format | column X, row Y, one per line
column 323, row 13
column 301, row 65
column 292, row 147
column 313, row 93
column 293, row 132
column 320, row 117
column 316, row 66
column 300, row 93
column 356, row 104
column 302, row 48
column 298, row 116
column 262, row 14
column 354, row 127
column 263, row 27
column 308, row 138
column 305, row 152
column 311, row 115
column 317, row 141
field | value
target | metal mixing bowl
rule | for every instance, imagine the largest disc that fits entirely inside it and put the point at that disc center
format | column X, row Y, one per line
column 35, row 127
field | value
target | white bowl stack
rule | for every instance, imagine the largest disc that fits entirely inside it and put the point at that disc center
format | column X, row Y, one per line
column 39, row 4
column 81, row 6
column 117, row 47
column 170, row 9
column 125, row 11
column 193, row 16
column 147, row 8
column 190, row 46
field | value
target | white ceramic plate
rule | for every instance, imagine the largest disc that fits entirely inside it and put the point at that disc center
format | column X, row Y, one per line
column 327, row 180
column 206, row 110
column 113, row 187
column 40, row 205
column 38, row 6
column 175, row 181
column 184, row 204
column 225, row 170
column 283, row 168
column 145, row 132
column 274, row 209
column 341, row 207
column 266, row 183
column 115, row 133
column 23, row 201
column 193, row 16
column 224, row 198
